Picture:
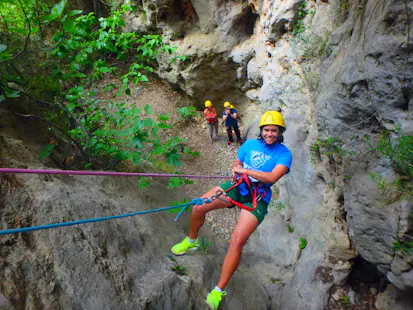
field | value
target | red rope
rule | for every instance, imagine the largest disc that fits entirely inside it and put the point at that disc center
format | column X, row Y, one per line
column 253, row 192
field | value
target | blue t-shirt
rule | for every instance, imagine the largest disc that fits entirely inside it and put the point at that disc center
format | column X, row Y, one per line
column 229, row 122
column 256, row 155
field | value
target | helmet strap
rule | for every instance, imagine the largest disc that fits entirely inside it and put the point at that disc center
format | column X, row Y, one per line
column 281, row 137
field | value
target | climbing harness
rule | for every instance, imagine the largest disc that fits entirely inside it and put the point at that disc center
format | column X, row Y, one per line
column 252, row 188
column 196, row 201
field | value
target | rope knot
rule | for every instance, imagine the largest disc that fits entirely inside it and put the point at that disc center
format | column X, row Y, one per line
column 197, row 201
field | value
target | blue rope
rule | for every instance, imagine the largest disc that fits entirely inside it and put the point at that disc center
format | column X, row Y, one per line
column 196, row 201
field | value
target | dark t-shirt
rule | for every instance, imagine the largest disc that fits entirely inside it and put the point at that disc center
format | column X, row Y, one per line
column 229, row 122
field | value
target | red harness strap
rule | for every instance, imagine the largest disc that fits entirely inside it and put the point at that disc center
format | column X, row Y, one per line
column 253, row 193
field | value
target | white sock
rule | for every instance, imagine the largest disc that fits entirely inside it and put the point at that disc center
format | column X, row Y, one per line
column 218, row 289
column 191, row 240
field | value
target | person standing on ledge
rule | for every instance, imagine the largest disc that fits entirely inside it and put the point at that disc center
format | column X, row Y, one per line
column 260, row 163
column 212, row 120
column 230, row 118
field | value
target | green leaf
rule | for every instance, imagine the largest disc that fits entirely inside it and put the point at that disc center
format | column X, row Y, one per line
column 187, row 150
column 47, row 18
column 175, row 203
column 3, row 47
column 188, row 181
column 104, row 69
column 111, row 47
column 155, row 131
column 121, row 155
column 174, row 182
column 100, row 132
column 144, row 182
column 69, row 25
column 158, row 150
column 58, row 8
column 47, row 150
column 75, row 66
column 164, row 126
column 75, row 12
column 148, row 122
column 136, row 160
column 13, row 94
column 173, row 157
column 164, row 117
column 136, row 141
column 103, row 23
column 303, row 243
column 126, row 132
column 110, row 87
column 56, row 11
column 148, row 109
column 172, row 258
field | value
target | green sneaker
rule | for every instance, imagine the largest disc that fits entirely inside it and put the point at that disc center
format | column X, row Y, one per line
column 185, row 246
column 214, row 298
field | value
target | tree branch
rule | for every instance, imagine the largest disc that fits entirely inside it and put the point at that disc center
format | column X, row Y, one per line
column 59, row 106
column 58, row 128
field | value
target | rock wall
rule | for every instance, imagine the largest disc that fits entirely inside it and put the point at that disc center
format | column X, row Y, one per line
column 106, row 265
column 366, row 86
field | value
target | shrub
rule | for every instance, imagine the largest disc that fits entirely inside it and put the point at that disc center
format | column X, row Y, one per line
column 178, row 268
column 186, row 113
column 303, row 243
column 63, row 76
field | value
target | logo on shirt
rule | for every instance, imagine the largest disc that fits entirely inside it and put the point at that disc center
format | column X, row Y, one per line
column 258, row 159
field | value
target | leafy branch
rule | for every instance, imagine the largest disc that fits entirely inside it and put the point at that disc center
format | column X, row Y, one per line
column 82, row 51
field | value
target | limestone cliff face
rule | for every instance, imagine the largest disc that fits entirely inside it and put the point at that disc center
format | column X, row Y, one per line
column 366, row 87
column 338, row 70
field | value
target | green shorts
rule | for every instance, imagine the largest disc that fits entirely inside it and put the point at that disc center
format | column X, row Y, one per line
column 260, row 212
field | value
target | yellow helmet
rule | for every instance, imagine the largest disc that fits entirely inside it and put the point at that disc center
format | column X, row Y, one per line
column 272, row 118
column 227, row 104
column 208, row 104
column 231, row 106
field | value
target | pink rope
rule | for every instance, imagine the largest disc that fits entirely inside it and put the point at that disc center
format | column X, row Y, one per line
column 114, row 174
